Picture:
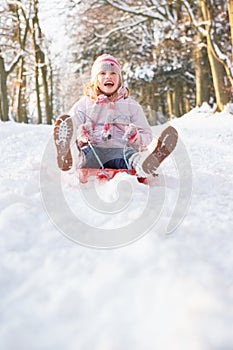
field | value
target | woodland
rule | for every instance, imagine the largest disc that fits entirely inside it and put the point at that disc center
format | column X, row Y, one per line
column 175, row 55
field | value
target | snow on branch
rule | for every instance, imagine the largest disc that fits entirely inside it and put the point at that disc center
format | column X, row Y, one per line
column 20, row 5
column 208, row 32
column 16, row 3
column 15, row 62
column 129, row 25
column 147, row 12
column 222, row 58
column 197, row 25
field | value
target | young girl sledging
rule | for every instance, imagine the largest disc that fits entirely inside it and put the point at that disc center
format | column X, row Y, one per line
column 108, row 127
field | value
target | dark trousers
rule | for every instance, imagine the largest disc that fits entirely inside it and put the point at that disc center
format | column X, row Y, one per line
column 113, row 158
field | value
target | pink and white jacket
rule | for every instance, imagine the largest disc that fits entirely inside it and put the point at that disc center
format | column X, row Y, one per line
column 116, row 116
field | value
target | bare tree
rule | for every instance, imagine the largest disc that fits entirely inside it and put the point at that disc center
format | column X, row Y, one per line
column 230, row 14
column 4, row 72
column 175, row 53
column 9, row 57
column 22, row 34
column 220, row 64
column 40, row 68
column 139, row 34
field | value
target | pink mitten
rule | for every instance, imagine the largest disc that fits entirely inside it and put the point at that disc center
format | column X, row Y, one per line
column 84, row 133
column 131, row 134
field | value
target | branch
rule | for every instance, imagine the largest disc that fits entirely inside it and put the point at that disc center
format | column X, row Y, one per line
column 15, row 62
column 209, row 34
column 138, row 11
column 120, row 28
column 222, row 58
column 197, row 25
column 20, row 5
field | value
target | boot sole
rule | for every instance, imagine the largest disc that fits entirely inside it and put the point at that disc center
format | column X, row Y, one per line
column 63, row 132
column 166, row 143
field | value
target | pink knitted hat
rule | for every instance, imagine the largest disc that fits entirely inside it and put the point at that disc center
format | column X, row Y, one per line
column 105, row 62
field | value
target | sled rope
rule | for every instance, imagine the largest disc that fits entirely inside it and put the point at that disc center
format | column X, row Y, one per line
column 82, row 117
column 125, row 159
column 98, row 160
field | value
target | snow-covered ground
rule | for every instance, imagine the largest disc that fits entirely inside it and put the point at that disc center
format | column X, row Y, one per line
column 169, row 286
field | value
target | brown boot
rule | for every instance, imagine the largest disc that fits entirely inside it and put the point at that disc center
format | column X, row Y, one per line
column 166, row 143
column 63, row 133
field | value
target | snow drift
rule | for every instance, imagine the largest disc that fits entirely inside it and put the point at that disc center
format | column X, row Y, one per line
column 167, row 289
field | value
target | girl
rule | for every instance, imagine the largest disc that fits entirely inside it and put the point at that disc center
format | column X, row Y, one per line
column 107, row 127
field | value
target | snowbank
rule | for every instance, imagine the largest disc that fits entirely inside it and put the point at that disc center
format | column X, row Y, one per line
column 163, row 291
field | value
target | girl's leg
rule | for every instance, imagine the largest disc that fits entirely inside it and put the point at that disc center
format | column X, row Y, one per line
column 117, row 163
column 147, row 162
column 64, row 139
column 90, row 158
column 119, row 159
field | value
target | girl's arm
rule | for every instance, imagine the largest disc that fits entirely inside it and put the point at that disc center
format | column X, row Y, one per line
column 139, row 119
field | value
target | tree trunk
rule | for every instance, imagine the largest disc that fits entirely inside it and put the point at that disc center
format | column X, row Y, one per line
column 4, row 104
column 37, row 87
column 36, row 74
column 21, row 115
column 219, row 83
column 177, row 97
column 46, row 95
column 169, row 104
column 186, row 100
column 22, row 32
column 202, row 73
column 217, row 68
column 230, row 13
column 51, row 89
column 45, row 86
column 36, row 32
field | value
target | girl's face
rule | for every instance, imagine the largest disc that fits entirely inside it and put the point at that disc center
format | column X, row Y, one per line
column 108, row 81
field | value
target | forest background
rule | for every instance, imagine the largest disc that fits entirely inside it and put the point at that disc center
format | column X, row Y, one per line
column 175, row 54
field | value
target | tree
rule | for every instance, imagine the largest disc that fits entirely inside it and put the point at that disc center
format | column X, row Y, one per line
column 230, row 14
column 4, row 105
column 220, row 65
column 23, row 47
column 22, row 33
column 40, row 69
column 139, row 35
column 9, row 58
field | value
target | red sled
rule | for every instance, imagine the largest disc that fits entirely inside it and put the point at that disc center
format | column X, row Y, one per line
column 105, row 174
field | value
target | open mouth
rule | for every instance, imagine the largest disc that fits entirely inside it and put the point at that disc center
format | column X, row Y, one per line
column 109, row 83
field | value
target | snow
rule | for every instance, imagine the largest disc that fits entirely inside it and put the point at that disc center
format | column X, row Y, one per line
column 110, row 32
column 145, row 72
column 160, row 289
column 53, row 15
column 152, row 12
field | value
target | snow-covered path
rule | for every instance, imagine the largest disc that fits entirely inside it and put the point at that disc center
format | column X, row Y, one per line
column 164, row 291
